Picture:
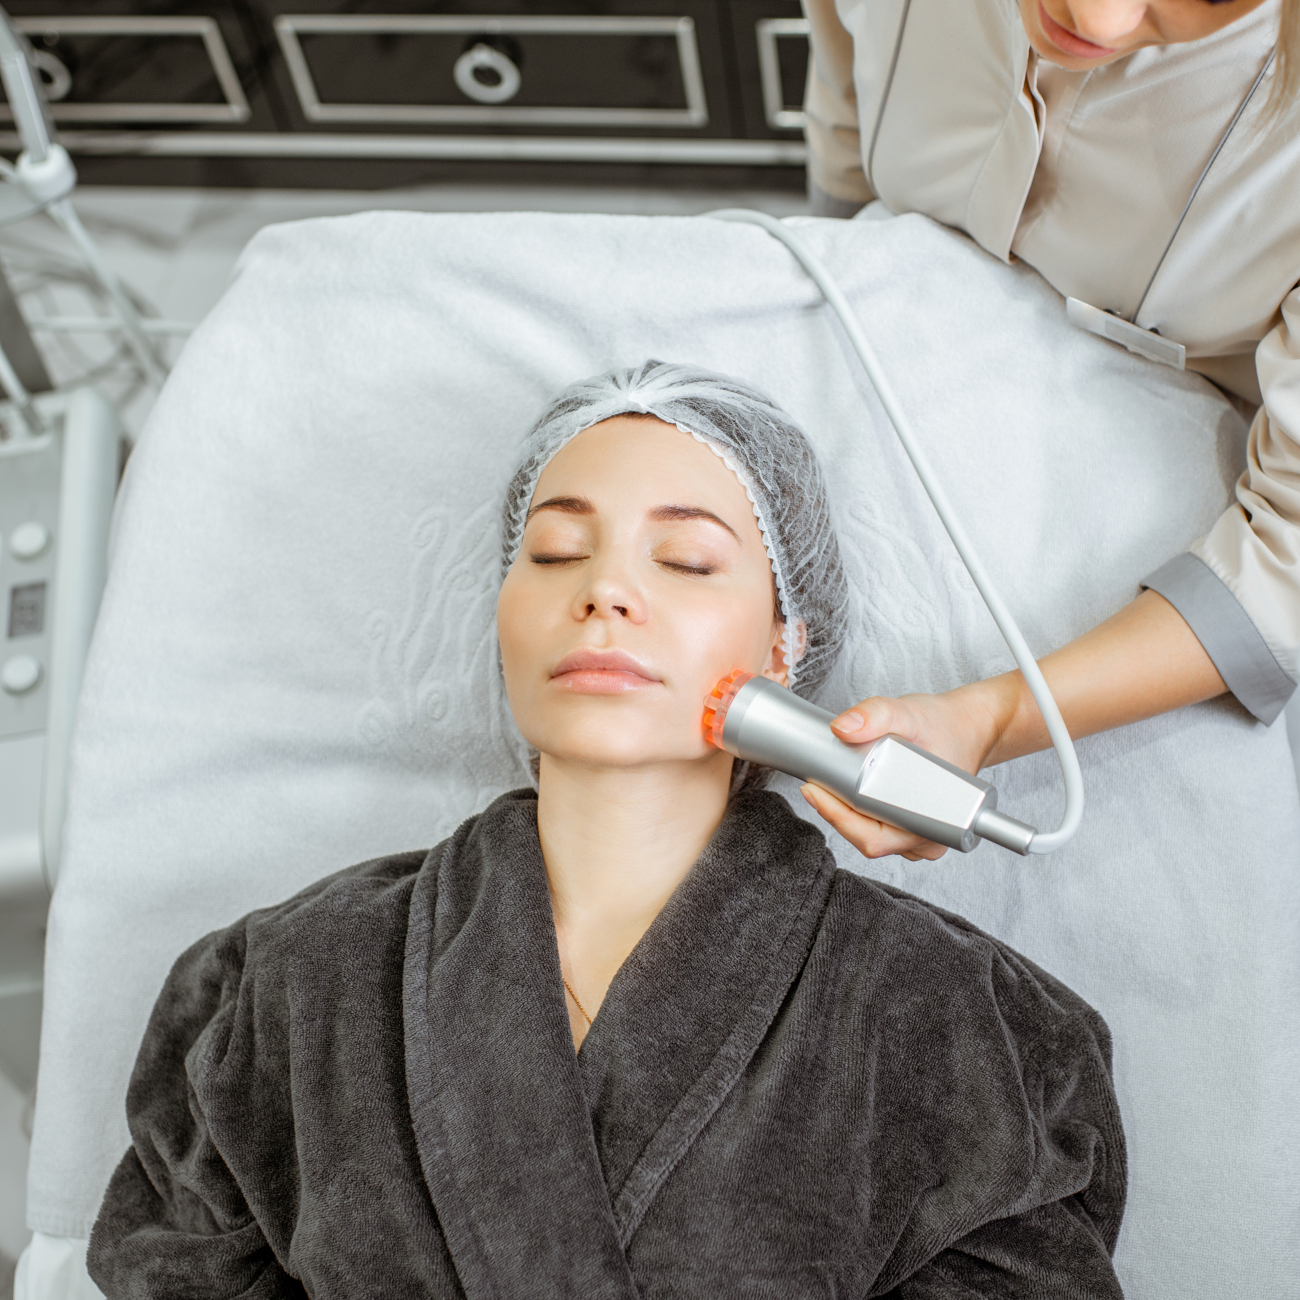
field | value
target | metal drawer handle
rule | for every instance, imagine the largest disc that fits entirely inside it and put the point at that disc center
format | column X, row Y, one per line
column 486, row 75
column 55, row 77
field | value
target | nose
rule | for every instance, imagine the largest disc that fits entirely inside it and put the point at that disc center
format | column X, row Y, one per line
column 1106, row 22
column 610, row 592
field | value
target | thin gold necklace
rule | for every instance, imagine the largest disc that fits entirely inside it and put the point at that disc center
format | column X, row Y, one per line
column 576, row 1003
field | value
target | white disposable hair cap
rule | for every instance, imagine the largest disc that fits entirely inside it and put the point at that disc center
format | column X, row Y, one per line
column 770, row 457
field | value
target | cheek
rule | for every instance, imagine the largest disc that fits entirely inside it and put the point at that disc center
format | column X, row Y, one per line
column 720, row 632
column 517, row 614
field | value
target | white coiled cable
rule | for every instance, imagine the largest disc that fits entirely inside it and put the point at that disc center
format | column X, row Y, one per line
column 1043, row 841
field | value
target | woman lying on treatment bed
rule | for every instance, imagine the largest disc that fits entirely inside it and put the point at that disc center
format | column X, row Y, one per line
column 633, row 1034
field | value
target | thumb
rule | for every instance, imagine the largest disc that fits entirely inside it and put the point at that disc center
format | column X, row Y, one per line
column 868, row 720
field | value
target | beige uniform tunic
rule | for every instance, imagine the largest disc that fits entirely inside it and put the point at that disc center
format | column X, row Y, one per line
column 942, row 107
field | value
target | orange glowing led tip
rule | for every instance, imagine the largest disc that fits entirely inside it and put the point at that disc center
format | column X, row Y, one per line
column 718, row 700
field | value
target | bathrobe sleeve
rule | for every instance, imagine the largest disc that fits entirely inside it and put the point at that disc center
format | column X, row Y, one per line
column 175, row 1222
column 1035, row 1213
column 837, row 183
column 1054, row 1250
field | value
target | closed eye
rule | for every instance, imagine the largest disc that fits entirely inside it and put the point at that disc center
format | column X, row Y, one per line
column 542, row 558
column 701, row 569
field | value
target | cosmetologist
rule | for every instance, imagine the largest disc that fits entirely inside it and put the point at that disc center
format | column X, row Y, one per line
column 1144, row 157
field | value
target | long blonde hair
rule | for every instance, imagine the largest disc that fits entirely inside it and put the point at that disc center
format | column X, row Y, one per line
column 1286, row 75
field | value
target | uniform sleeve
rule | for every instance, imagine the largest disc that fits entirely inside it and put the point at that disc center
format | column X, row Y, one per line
column 837, row 184
column 174, row 1221
column 1239, row 587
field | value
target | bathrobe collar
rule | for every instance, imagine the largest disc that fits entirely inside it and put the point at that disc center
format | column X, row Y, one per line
column 541, row 1163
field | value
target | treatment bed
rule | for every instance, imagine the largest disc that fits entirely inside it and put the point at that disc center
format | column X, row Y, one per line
column 295, row 666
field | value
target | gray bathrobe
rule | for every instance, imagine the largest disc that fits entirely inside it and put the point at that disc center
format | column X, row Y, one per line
column 801, row 1083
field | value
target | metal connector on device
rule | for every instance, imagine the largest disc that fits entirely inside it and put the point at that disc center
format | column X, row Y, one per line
column 1004, row 830
column 889, row 779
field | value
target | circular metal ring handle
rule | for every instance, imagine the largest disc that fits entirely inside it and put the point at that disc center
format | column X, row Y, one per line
column 56, row 80
column 502, row 79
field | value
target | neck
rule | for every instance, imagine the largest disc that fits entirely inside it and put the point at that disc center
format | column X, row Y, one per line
column 616, row 843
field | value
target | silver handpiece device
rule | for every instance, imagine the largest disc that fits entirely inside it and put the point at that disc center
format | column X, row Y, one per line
column 889, row 779
column 988, row 824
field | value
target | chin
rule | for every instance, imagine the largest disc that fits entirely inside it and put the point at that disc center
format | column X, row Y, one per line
column 614, row 746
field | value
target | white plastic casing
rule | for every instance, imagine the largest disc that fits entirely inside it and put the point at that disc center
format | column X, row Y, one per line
column 53, row 177
column 63, row 482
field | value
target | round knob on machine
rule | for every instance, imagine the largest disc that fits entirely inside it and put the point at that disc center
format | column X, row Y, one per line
column 19, row 674
column 486, row 74
column 29, row 540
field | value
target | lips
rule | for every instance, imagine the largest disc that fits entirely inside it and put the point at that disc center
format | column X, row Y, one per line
column 1067, row 42
column 602, row 672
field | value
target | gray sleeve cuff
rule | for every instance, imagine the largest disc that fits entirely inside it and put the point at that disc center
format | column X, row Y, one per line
column 821, row 204
column 1233, row 642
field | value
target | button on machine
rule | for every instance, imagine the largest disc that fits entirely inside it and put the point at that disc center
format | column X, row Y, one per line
column 56, row 501
column 19, row 674
column 29, row 540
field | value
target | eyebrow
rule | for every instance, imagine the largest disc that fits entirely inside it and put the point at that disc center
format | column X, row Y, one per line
column 566, row 505
column 691, row 512
column 582, row 506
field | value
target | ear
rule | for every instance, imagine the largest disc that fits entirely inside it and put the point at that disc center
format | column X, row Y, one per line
column 777, row 669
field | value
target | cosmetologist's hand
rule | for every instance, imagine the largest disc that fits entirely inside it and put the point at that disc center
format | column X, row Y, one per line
column 956, row 726
column 1141, row 661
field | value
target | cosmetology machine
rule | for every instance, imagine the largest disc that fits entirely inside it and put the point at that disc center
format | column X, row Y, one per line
column 56, row 499
column 59, row 466
column 889, row 779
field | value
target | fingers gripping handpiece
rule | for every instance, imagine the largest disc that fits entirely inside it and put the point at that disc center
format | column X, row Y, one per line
column 889, row 779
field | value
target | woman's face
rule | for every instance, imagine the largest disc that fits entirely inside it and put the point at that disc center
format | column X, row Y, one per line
column 1083, row 34
column 642, row 579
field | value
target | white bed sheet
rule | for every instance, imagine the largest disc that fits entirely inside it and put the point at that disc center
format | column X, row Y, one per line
column 295, row 667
